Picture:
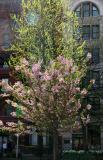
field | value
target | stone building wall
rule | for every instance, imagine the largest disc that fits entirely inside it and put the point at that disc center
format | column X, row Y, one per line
column 90, row 43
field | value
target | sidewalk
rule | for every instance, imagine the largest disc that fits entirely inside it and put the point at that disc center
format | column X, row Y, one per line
column 9, row 159
column 34, row 158
column 27, row 158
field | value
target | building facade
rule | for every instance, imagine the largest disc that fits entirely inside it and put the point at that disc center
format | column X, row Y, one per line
column 90, row 16
column 8, row 7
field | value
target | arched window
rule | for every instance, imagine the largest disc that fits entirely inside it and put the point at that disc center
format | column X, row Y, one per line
column 87, row 9
column 6, row 40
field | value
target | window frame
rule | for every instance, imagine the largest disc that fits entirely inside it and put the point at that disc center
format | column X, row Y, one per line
column 86, row 33
column 91, row 34
column 90, row 10
column 96, row 55
column 97, row 79
column 6, row 40
column 6, row 80
column 97, row 10
column 94, row 102
column 97, row 32
column 78, row 13
column 86, row 10
column 95, row 59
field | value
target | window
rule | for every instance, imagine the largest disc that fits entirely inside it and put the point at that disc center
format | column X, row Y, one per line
column 78, row 11
column 34, row 136
column 92, row 75
column 77, row 141
column 86, row 32
column 90, row 32
column 14, row 24
column 5, row 66
column 86, row 79
column 95, row 31
column 86, row 51
column 95, row 55
column 96, row 76
column 95, row 102
column 66, row 141
column 87, row 9
column 8, row 110
column 94, row 135
column 6, row 40
column 95, row 11
column 6, row 81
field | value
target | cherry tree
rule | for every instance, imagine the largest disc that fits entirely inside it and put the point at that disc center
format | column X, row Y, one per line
column 49, row 63
column 50, row 98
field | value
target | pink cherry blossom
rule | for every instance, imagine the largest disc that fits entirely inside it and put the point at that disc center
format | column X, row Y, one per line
column 84, row 92
column 36, row 69
column 89, row 106
column 13, row 114
column 55, row 89
column 11, row 124
column 17, row 68
column 50, row 94
column 92, row 81
column 88, row 119
column 78, row 89
column 47, row 76
column 89, row 55
column 25, row 62
column 62, row 60
column 1, row 123
column 6, row 86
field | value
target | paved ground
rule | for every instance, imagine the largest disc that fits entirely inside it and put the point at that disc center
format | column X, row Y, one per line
column 24, row 159
column 27, row 158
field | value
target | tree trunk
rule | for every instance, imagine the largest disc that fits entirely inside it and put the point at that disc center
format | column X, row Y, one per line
column 55, row 145
column 85, row 135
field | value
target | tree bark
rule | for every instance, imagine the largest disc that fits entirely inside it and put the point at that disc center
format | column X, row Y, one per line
column 85, row 137
column 55, row 145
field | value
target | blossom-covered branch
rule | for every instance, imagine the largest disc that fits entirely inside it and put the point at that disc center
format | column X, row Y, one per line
column 49, row 95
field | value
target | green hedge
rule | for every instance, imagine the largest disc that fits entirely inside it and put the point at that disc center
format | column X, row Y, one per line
column 81, row 155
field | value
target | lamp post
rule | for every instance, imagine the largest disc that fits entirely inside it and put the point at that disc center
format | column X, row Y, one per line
column 17, row 145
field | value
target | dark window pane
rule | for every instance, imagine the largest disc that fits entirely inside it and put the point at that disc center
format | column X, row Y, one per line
column 96, row 76
column 86, row 9
column 86, row 51
column 86, row 32
column 95, row 55
column 86, row 80
column 78, row 11
column 95, row 11
column 9, row 110
column 95, row 32
column 6, row 40
column 94, row 102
